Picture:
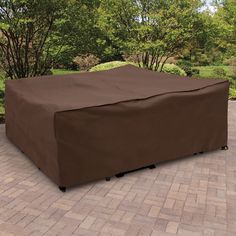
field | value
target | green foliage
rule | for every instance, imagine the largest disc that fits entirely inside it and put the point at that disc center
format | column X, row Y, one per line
column 4, row 26
column 208, row 71
column 173, row 69
column 226, row 16
column 2, row 86
column 189, row 70
column 25, row 27
column 187, row 67
column 219, row 72
column 1, row 94
column 2, row 110
column 153, row 30
column 63, row 72
column 183, row 62
column 202, row 59
column 213, row 42
column 232, row 89
column 203, row 50
column 109, row 65
column 233, row 64
column 232, row 93
column 76, row 33
column 195, row 72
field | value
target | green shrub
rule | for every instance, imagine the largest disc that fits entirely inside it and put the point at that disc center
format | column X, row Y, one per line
column 220, row 72
column 232, row 93
column 109, row 65
column 190, row 71
column 173, row 69
column 227, row 62
column 1, row 94
column 202, row 59
column 233, row 64
column 183, row 62
column 2, row 110
column 195, row 71
column 187, row 67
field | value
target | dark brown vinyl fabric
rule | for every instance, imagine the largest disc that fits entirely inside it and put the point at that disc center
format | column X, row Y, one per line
column 83, row 127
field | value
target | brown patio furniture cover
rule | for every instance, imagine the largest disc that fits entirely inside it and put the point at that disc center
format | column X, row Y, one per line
column 87, row 126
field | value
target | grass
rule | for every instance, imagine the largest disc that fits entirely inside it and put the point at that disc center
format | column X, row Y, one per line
column 1, row 84
column 208, row 71
column 63, row 72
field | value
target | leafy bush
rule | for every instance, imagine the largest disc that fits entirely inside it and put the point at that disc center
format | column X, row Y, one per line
column 220, row 72
column 2, row 77
column 202, row 59
column 183, row 62
column 233, row 64
column 227, row 62
column 110, row 65
column 2, row 110
column 173, row 69
column 2, row 94
column 190, row 71
column 195, row 71
column 232, row 93
column 186, row 66
column 64, row 60
column 86, row 61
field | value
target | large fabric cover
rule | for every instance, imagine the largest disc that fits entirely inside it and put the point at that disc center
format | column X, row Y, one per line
column 83, row 127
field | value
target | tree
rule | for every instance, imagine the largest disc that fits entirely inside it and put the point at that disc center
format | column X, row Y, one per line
column 76, row 32
column 226, row 18
column 25, row 27
column 152, row 30
column 203, row 48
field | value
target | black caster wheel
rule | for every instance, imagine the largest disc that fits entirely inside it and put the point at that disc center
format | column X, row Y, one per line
column 224, row 148
column 108, row 178
column 152, row 167
column 62, row 189
column 120, row 175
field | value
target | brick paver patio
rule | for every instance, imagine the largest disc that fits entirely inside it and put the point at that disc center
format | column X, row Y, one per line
column 191, row 196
